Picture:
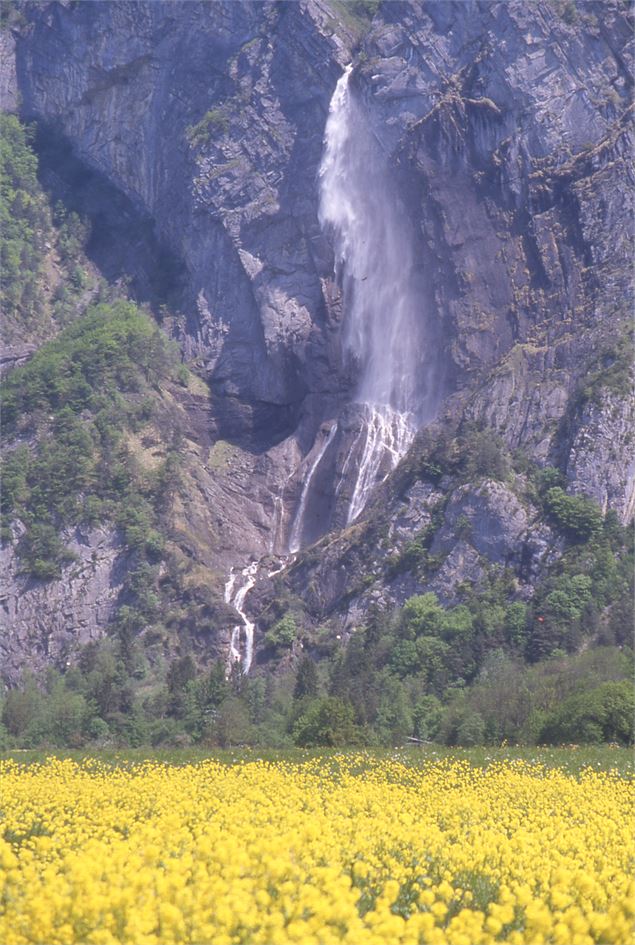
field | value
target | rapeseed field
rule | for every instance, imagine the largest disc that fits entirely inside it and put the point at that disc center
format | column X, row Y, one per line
column 349, row 849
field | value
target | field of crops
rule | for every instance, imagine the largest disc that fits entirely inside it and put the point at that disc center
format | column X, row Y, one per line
column 340, row 849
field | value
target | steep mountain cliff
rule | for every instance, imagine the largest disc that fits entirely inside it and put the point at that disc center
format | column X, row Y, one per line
column 485, row 151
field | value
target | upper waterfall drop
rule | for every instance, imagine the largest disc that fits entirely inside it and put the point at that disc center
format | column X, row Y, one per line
column 373, row 244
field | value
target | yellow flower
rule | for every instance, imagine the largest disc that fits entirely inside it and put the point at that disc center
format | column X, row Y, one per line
column 353, row 850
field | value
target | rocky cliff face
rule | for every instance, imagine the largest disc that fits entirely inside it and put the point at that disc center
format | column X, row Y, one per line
column 209, row 117
column 507, row 127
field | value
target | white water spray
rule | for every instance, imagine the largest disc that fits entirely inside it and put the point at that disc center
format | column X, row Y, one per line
column 295, row 539
column 388, row 435
column 239, row 653
column 375, row 264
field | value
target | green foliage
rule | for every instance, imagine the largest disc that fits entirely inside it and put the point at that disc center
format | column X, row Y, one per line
column 548, row 478
column 460, row 655
column 283, row 634
column 516, row 628
column 394, row 711
column 72, row 235
column 355, row 15
column 484, row 454
column 327, row 722
column 567, row 10
column 611, row 371
column 11, row 16
column 421, row 615
column 577, row 516
column 404, row 658
column 78, row 468
column 306, row 683
column 43, row 552
column 25, row 223
column 561, row 700
column 603, row 714
column 592, row 577
column 413, row 557
column 213, row 123
column 114, row 349
column 427, row 717
column 458, row 622
column 569, row 597
column 470, row 730
column 232, row 723
column 365, row 8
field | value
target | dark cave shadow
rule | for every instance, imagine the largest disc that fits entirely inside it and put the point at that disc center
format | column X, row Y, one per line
column 123, row 243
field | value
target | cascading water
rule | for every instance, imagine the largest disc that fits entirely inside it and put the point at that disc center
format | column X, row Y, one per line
column 295, row 539
column 388, row 435
column 240, row 653
column 375, row 264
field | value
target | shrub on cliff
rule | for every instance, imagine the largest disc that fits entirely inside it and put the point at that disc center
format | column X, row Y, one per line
column 579, row 517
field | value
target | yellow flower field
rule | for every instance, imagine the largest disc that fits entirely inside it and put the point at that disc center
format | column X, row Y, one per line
column 350, row 850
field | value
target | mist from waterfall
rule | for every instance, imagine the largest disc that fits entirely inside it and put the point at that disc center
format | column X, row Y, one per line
column 373, row 244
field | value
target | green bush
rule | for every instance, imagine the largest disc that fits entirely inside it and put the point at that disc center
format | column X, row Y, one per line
column 112, row 349
column 43, row 552
column 457, row 623
column 213, row 122
column 404, row 658
column 516, row 623
column 485, row 453
column 306, row 682
column 328, row 722
column 427, row 717
column 612, row 370
column 604, row 714
column 470, row 730
column 421, row 615
column 283, row 634
column 462, row 725
column 577, row 516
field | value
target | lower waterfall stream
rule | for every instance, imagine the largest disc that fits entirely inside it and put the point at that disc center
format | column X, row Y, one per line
column 241, row 650
column 295, row 539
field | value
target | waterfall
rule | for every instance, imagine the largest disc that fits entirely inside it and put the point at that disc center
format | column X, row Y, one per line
column 375, row 264
column 243, row 656
column 278, row 516
column 295, row 539
column 388, row 435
